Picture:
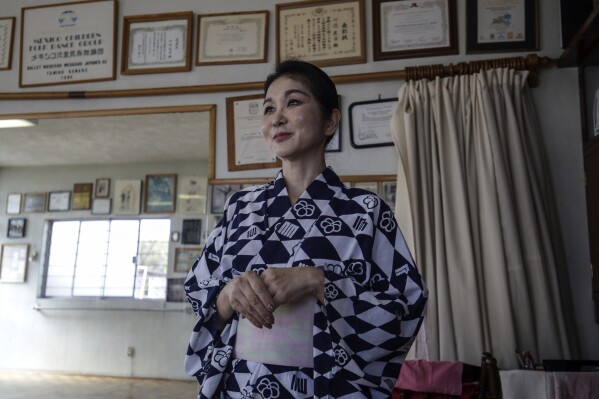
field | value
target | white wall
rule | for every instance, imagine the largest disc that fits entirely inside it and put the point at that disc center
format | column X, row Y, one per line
column 57, row 340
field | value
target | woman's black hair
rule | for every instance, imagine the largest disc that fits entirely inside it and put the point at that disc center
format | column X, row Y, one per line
column 315, row 79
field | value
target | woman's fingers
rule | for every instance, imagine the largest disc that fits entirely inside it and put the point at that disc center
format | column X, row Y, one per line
column 249, row 297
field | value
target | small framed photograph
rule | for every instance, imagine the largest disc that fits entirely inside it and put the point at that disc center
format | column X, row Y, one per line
column 369, row 123
column 246, row 147
column 494, row 26
column 192, row 231
column 102, row 188
column 175, row 236
column 232, row 38
column 7, row 35
column 185, row 257
column 371, row 186
column 101, row 206
column 415, row 28
column 175, row 291
column 192, row 194
column 16, row 228
column 157, row 43
column 325, row 33
column 160, row 193
column 389, row 193
column 82, row 196
column 13, row 204
column 220, row 193
column 13, row 263
column 59, row 201
column 34, row 202
column 127, row 197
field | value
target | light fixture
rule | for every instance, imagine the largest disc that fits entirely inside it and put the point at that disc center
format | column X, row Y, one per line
column 17, row 122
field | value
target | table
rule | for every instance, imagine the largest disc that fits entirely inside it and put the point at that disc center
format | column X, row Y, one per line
column 527, row 384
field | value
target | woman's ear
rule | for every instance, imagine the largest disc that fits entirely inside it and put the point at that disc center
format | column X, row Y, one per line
column 333, row 122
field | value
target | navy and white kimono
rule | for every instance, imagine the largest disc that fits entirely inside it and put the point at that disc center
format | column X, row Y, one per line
column 374, row 295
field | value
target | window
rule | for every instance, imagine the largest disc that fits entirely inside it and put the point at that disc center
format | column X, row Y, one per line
column 107, row 258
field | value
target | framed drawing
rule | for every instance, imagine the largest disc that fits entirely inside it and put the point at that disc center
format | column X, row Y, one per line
column 7, row 37
column 232, row 38
column 34, row 202
column 220, row 193
column 82, row 196
column 160, row 193
column 494, row 26
column 101, row 206
column 175, row 292
column 157, row 43
column 246, row 148
column 325, row 33
column 16, row 228
column 369, row 123
column 13, row 263
column 102, row 187
column 127, row 197
column 59, row 201
column 13, row 204
column 185, row 257
column 192, row 194
column 68, row 43
column 408, row 29
column 192, row 231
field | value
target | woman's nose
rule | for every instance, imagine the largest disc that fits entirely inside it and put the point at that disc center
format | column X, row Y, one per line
column 278, row 118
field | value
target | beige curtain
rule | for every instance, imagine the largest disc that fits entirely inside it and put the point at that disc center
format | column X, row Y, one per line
column 475, row 205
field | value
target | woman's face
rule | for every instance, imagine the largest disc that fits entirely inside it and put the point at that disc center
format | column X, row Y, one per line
column 292, row 123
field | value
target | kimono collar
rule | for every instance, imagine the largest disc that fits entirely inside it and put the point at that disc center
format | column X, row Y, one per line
column 327, row 176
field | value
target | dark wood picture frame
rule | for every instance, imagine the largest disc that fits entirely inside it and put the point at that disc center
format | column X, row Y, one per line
column 184, row 258
column 160, row 193
column 531, row 30
column 59, row 201
column 34, row 202
column 446, row 44
column 16, row 228
column 191, row 232
column 102, row 189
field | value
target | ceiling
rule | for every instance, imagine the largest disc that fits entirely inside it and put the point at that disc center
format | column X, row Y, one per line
column 107, row 140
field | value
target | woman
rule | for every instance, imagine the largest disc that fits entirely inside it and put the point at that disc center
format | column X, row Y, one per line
column 306, row 287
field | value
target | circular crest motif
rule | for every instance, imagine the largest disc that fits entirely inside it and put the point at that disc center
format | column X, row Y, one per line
column 304, row 209
column 387, row 222
column 268, row 389
column 330, row 225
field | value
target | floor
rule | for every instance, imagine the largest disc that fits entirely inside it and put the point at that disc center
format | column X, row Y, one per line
column 33, row 385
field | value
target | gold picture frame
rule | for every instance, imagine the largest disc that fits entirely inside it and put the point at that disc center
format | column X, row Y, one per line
column 184, row 258
column 82, row 196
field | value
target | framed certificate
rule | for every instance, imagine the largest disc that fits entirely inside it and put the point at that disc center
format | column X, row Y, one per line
column 59, row 201
column 34, row 202
column 82, row 196
column 13, row 204
column 68, row 43
column 157, row 43
column 369, row 123
column 232, row 38
column 7, row 33
column 13, row 263
column 497, row 25
column 324, row 33
column 101, row 206
column 421, row 28
column 246, row 147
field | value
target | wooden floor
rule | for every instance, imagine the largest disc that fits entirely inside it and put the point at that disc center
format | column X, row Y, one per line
column 32, row 385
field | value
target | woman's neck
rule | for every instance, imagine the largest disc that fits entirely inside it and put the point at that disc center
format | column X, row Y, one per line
column 298, row 177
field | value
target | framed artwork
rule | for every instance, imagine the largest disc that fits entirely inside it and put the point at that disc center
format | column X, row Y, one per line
column 185, row 257
column 220, row 193
column 34, row 202
column 127, row 197
column 325, row 33
column 246, row 147
column 415, row 28
column 13, row 204
column 102, row 187
column 101, row 206
column 192, row 194
column 369, row 123
column 160, row 193
column 68, row 43
column 13, row 263
column 494, row 26
column 192, row 231
column 371, row 186
column 7, row 37
column 174, row 290
column 389, row 193
column 157, row 43
column 82, row 196
column 59, row 201
column 232, row 38
column 16, row 228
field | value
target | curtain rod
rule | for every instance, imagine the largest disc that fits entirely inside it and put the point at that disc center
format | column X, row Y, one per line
column 531, row 62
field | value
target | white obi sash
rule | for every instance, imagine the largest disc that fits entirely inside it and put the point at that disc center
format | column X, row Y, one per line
column 288, row 343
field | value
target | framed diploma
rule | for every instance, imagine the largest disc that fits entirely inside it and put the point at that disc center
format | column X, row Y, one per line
column 68, row 43
column 101, row 206
column 246, row 148
column 157, row 43
column 324, row 33
column 7, row 33
column 369, row 123
column 13, row 204
column 497, row 25
column 232, row 38
column 13, row 263
column 421, row 28
column 59, row 201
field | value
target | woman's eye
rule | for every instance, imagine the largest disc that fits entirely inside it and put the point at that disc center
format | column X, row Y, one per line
column 268, row 110
column 293, row 101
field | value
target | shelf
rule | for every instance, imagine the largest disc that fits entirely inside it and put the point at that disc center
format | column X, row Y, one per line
column 580, row 49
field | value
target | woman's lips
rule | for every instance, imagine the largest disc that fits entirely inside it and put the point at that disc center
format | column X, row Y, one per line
column 281, row 136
